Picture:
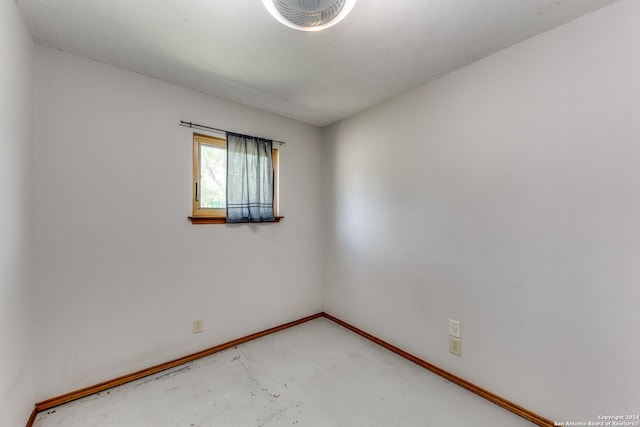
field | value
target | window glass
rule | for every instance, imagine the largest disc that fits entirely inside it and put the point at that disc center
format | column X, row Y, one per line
column 213, row 176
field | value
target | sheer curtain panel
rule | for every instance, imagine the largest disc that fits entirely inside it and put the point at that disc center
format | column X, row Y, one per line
column 249, row 179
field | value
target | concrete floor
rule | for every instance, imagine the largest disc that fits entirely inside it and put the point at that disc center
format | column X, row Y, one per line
column 315, row 374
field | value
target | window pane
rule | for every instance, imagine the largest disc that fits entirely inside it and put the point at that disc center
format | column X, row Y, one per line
column 213, row 176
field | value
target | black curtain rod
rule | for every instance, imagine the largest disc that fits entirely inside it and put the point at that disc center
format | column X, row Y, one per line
column 197, row 126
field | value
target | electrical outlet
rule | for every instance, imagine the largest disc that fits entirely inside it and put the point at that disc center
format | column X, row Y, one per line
column 198, row 325
column 454, row 328
column 455, row 346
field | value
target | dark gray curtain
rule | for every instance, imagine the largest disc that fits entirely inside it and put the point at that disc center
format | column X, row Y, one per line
column 249, row 179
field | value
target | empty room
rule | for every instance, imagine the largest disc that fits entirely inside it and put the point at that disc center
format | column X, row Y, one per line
column 319, row 213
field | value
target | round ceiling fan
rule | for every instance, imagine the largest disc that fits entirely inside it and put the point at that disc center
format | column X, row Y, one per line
column 309, row 15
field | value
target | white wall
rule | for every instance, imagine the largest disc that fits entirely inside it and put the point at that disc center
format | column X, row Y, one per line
column 17, row 308
column 505, row 195
column 121, row 272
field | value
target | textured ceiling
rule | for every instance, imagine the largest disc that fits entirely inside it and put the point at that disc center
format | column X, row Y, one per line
column 234, row 49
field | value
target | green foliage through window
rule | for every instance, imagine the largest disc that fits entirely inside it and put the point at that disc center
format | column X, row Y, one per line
column 213, row 176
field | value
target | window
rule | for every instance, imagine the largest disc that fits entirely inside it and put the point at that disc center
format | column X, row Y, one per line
column 210, row 180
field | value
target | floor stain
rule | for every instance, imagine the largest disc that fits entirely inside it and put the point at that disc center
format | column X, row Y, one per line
column 172, row 373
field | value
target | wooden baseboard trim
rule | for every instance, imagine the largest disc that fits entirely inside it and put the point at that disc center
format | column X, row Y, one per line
column 494, row 398
column 87, row 391
column 32, row 418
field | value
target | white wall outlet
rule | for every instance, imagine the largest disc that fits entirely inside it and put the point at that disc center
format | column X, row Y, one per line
column 198, row 326
column 454, row 328
column 455, row 346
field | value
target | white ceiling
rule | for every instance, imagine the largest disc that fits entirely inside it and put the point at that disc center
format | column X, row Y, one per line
column 234, row 49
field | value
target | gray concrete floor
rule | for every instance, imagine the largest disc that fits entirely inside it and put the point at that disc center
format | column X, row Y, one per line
column 315, row 374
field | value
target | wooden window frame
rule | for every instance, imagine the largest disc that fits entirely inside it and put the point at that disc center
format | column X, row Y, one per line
column 218, row 215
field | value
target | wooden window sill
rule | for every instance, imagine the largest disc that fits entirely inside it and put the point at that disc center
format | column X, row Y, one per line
column 222, row 220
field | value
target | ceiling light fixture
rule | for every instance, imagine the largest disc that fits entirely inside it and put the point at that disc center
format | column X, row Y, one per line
column 309, row 15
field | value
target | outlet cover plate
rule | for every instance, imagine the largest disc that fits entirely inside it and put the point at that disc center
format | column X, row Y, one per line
column 454, row 328
column 455, row 346
column 198, row 326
